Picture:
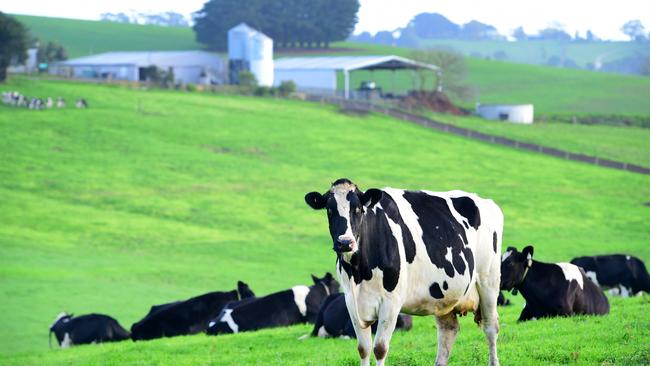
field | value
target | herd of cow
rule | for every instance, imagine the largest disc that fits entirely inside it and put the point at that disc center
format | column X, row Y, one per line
column 15, row 99
column 398, row 252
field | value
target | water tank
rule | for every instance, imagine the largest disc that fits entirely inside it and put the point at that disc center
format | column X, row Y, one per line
column 250, row 50
column 517, row 113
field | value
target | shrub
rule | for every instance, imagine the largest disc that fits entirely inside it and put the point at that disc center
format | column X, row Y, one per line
column 286, row 88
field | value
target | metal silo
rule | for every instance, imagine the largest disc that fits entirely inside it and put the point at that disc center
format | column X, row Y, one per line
column 250, row 50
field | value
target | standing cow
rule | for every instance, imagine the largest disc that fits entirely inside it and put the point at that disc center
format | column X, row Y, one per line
column 419, row 252
column 86, row 329
column 550, row 289
column 623, row 274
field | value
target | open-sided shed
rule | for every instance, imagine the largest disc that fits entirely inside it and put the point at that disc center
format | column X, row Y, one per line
column 318, row 74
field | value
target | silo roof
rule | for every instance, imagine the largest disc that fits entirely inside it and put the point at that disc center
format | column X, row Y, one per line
column 350, row 63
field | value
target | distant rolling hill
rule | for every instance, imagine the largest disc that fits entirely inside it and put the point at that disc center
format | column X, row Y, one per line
column 553, row 91
column 86, row 37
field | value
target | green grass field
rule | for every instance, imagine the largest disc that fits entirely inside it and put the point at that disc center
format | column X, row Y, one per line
column 627, row 144
column 153, row 196
column 553, row 91
column 87, row 37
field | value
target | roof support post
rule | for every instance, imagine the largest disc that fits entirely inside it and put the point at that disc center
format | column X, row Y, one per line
column 346, row 77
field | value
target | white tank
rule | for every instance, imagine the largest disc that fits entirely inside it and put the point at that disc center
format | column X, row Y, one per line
column 518, row 113
column 252, row 50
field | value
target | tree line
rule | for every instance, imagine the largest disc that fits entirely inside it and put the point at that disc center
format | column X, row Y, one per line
column 290, row 23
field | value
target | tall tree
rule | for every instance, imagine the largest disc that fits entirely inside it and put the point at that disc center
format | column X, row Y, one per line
column 634, row 29
column 290, row 22
column 14, row 40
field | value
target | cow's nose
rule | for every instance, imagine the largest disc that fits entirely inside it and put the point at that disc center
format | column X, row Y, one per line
column 346, row 240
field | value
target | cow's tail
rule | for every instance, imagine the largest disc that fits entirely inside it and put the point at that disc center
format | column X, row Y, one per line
column 49, row 339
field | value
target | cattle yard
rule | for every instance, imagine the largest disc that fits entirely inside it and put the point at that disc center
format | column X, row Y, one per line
column 148, row 197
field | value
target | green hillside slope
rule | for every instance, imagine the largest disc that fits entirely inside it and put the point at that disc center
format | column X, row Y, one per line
column 86, row 37
column 152, row 196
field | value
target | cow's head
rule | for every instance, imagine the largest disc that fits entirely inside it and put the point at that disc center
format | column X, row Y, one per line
column 514, row 266
column 346, row 206
column 61, row 319
column 332, row 286
column 244, row 291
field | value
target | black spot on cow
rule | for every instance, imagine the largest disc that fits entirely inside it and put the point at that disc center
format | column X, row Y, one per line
column 390, row 207
column 494, row 241
column 440, row 231
column 444, row 285
column 467, row 208
column 435, row 291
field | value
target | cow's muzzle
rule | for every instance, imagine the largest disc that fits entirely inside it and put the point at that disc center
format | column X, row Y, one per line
column 344, row 245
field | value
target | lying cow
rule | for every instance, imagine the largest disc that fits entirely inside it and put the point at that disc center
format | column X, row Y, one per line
column 418, row 252
column 86, row 329
column 623, row 274
column 186, row 317
column 550, row 289
column 297, row 305
column 334, row 320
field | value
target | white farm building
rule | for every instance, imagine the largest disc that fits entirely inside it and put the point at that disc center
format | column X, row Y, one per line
column 319, row 75
column 517, row 113
column 197, row 67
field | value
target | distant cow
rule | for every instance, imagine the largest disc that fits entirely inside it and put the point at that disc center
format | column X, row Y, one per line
column 81, row 103
column 297, row 305
column 334, row 320
column 186, row 317
column 550, row 289
column 85, row 329
column 623, row 274
column 417, row 252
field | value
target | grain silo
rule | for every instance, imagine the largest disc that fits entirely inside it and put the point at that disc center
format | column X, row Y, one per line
column 250, row 50
column 517, row 113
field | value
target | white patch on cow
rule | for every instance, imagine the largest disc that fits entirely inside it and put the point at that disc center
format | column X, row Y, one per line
column 506, row 255
column 340, row 192
column 625, row 292
column 300, row 297
column 67, row 341
column 345, row 337
column 615, row 291
column 448, row 255
column 58, row 317
column 211, row 324
column 627, row 257
column 533, row 318
column 592, row 276
column 322, row 332
column 227, row 318
column 571, row 272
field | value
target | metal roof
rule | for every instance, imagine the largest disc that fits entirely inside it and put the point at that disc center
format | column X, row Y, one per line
column 143, row 59
column 349, row 63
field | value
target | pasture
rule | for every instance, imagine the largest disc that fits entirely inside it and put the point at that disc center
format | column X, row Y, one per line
column 150, row 196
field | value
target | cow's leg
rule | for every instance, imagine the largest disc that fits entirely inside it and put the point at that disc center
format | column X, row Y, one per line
column 364, row 339
column 388, row 313
column 490, row 319
column 447, row 330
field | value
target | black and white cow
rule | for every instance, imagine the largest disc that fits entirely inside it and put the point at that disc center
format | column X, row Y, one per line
column 297, row 305
column 186, row 317
column 622, row 274
column 502, row 301
column 550, row 289
column 418, row 252
column 86, row 329
column 334, row 320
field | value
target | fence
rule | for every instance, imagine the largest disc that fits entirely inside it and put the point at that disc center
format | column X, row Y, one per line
column 361, row 106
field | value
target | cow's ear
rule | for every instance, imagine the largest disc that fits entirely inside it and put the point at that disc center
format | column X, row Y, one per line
column 511, row 249
column 315, row 279
column 528, row 252
column 370, row 197
column 315, row 200
column 328, row 277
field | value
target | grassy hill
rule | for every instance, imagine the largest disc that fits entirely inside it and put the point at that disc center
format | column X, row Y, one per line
column 87, row 37
column 152, row 196
column 552, row 90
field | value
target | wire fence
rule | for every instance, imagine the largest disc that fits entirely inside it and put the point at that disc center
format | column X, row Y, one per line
column 365, row 107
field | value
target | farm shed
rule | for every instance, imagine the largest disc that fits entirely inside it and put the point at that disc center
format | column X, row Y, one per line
column 319, row 74
column 187, row 66
column 517, row 113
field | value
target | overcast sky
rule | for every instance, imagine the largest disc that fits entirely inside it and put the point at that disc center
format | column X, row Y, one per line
column 604, row 18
